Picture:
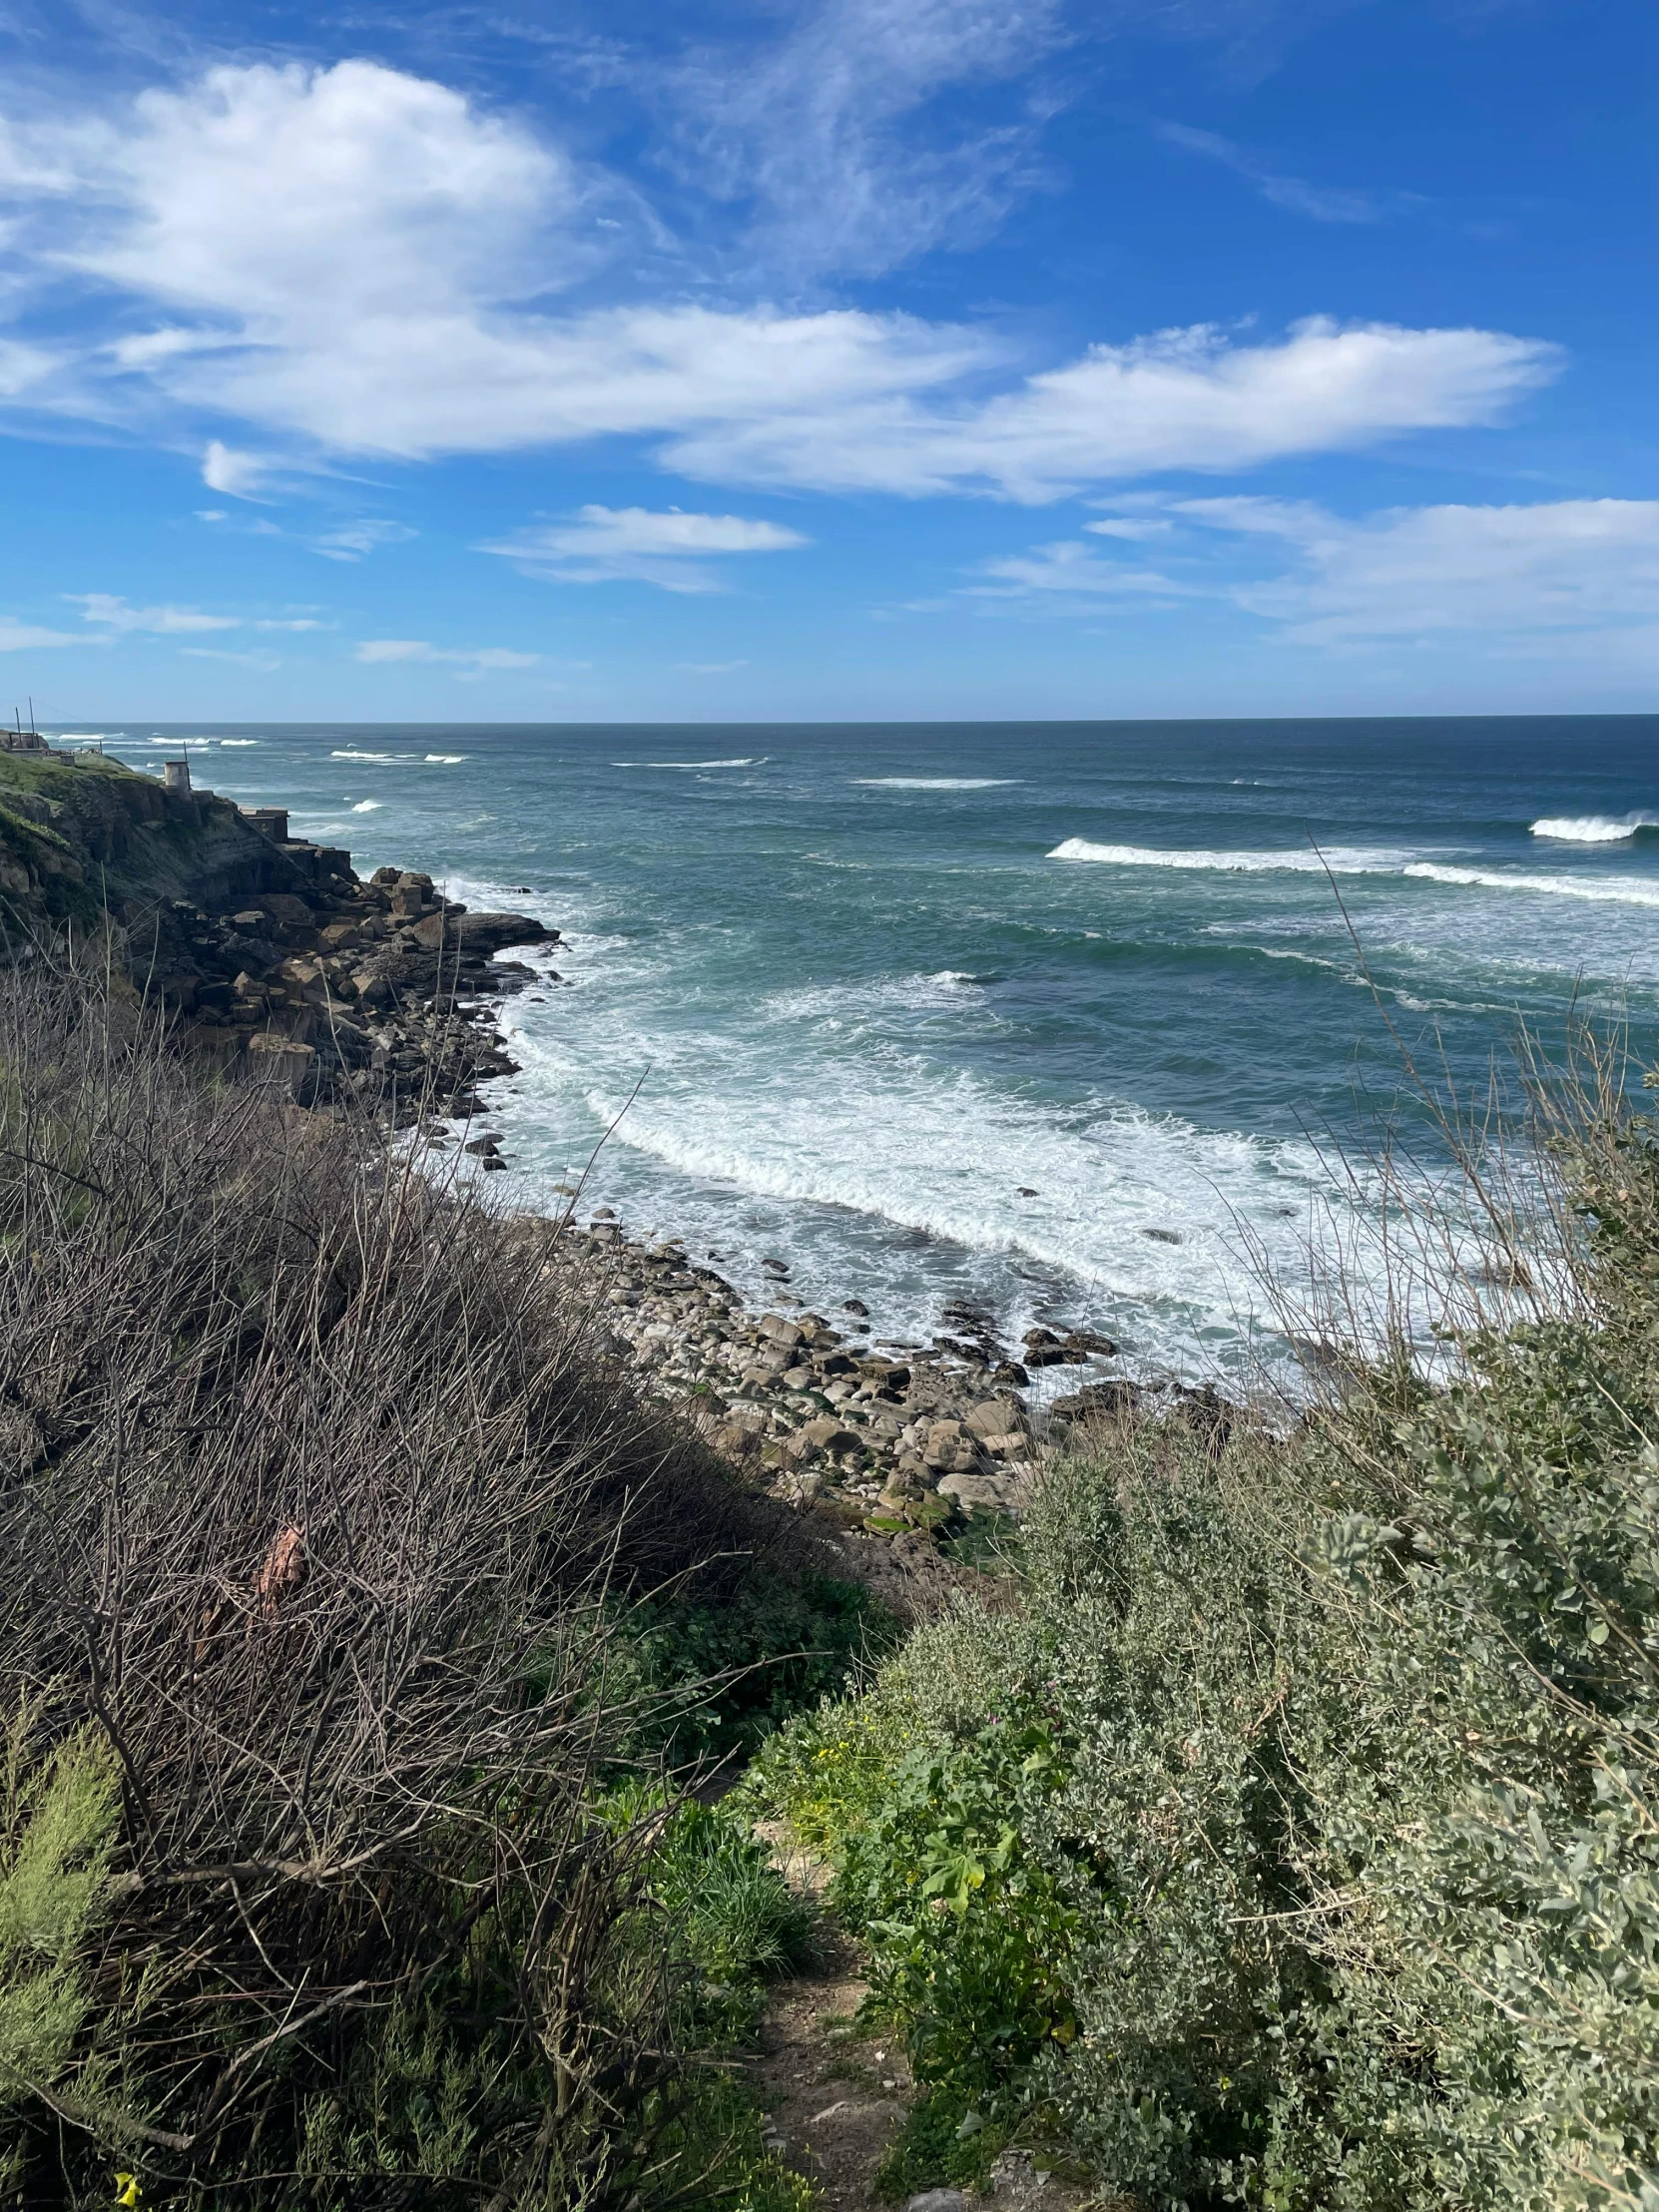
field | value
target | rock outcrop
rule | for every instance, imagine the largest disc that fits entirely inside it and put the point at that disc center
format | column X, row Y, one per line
column 273, row 957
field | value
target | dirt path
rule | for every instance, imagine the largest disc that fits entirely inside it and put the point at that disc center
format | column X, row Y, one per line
column 835, row 2096
column 834, row 2100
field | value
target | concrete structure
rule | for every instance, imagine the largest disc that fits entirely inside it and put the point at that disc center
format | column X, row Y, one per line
column 176, row 777
column 271, row 822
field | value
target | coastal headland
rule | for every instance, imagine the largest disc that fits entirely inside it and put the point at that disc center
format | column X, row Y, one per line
column 281, row 964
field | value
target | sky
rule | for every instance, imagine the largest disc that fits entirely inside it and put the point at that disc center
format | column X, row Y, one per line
column 828, row 360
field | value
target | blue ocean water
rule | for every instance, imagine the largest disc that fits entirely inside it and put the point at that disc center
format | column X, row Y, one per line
column 1056, row 1019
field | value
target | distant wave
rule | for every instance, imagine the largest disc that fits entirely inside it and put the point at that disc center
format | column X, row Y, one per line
column 757, row 760
column 1592, row 829
column 365, row 806
column 935, row 782
column 356, row 753
column 1340, row 859
column 1606, row 891
column 239, row 740
column 448, row 760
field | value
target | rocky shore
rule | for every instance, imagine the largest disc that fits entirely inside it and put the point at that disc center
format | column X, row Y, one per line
column 378, row 996
column 276, row 960
column 884, row 1438
column 378, row 990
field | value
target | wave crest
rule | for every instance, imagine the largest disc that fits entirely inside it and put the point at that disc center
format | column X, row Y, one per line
column 1339, row 859
column 1606, row 891
column 1592, row 829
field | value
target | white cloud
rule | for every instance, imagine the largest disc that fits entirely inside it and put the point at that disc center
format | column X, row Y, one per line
column 710, row 668
column 1573, row 565
column 468, row 664
column 358, row 262
column 605, row 545
column 1069, row 566
column 352, row 541
column 259, row 660
column 1184, row 400
column 118, row 618
column 18, row 637
column 1322, row 202
column 835, row 141
column 240, row 475
column 295, row 622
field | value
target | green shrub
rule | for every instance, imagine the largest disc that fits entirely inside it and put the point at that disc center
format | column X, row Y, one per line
column 714, row 1676
column 57, row 1824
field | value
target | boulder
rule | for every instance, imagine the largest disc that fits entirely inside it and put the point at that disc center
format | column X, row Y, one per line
column 1005, row 1493
column 827, row 1434
column 996, row 1416
column 281, row 1065
column 480, row 935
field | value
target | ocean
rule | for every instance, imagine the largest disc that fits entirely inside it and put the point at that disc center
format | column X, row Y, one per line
column 1060, row 1022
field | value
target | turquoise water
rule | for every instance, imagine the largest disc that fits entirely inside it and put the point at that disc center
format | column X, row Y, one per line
column 1055, row 1019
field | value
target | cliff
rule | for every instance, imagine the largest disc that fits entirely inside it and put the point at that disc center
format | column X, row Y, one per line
column 272, row 955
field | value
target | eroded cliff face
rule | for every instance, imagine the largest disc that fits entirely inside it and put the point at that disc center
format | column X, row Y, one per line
column 274, row 959
column 86, row 840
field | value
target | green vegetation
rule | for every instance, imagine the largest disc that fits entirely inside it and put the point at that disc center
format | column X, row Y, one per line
column 1294, row 1844
column 1275, row 1828
column 351, row 1625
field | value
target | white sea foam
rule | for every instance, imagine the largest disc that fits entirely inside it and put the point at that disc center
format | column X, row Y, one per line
column 1340, row 859
column 849, row 1004
column 757, row 760
column 1608, row 891
column 448, row 760
column 239, row 740
column 935, row 782
column 1592, row 829
column 365, row 807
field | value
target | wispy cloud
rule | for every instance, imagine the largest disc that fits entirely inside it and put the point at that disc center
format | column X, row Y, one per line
column 468, row 663
column 260, row 661
column 841, row 140
column 1584, row 565
column 709, row 668
column 117, row 619
column 354, row 541
column 1321, row 203
column 607, row 545
column 1070, row 569
column 21, row 637
column 1584, row 570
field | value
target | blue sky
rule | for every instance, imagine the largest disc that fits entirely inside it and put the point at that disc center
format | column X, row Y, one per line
column 828, row 360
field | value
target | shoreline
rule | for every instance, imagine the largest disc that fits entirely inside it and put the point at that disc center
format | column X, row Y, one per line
column 881, row 1439
column 276, row 961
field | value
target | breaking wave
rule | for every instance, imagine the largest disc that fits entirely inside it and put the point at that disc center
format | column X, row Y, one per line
column 1592, row 829
column 1606, row 891
column 1340, row 859
column 935, row 782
